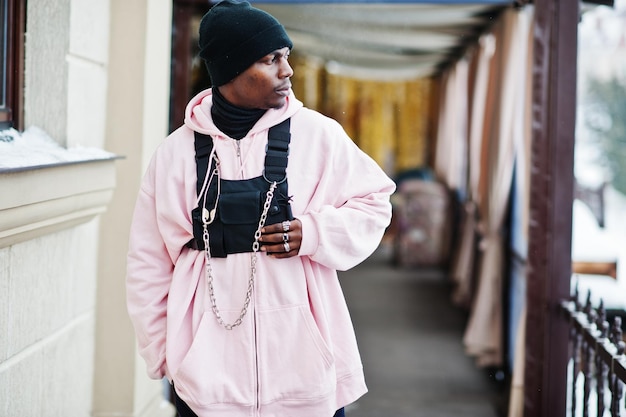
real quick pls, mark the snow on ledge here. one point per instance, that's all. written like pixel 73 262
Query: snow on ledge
pixel 34 148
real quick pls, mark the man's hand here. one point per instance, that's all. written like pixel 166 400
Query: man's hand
pixel 282 240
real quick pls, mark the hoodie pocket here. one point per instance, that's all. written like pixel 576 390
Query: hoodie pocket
pixel 294 360
pixel 218 367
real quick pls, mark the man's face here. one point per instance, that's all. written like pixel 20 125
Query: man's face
pixel 265 85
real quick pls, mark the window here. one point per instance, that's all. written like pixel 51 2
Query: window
pixel 12 26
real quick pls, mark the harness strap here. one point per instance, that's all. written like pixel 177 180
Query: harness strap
pixel 203 145
pixel 276 154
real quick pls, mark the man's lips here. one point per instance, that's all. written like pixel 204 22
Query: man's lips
pixel 284 90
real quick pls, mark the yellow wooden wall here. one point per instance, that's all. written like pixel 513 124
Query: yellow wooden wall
pixel 389 120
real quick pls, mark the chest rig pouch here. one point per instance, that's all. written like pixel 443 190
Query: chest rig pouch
pixel 240 202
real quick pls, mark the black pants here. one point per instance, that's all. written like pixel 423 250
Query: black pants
pixel 183 410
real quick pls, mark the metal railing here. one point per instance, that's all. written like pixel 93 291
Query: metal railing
pixel 597 361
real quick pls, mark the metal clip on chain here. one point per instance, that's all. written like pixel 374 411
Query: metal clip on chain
pixel 253 258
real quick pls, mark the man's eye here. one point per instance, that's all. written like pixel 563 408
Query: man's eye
pixel 275 58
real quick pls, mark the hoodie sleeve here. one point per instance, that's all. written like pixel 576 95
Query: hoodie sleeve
pixel 149 273
pixel 350 209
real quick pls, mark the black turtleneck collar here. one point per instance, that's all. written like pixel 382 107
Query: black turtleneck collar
pixel 235 121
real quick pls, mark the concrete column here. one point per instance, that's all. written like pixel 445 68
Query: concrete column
pixel 137 114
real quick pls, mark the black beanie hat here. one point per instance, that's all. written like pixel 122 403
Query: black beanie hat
pixel 234 35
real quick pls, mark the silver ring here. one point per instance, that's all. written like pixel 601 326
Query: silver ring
pixel 286 225
pixel 285 237
pixel 286 245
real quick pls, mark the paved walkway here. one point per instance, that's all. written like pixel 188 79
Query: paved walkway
pixel 410 338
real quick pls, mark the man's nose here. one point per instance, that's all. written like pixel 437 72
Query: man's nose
pixel 286 70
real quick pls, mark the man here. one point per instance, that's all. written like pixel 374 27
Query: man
pixel 232 284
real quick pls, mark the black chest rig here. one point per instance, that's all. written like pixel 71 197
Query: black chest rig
pixel 240 202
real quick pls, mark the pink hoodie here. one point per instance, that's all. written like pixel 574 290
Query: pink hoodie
pixel 295 353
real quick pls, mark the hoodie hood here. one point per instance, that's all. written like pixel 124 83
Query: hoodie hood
pixel 198 114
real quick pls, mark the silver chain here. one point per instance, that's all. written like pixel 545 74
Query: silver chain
pixel 253 259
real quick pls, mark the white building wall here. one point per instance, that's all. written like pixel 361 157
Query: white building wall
pixel 48 321
pixel 66 344
pixel 87 63
pixel 46 71
pixel 48 297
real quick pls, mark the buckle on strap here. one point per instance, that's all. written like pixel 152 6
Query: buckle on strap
pixel 272 176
